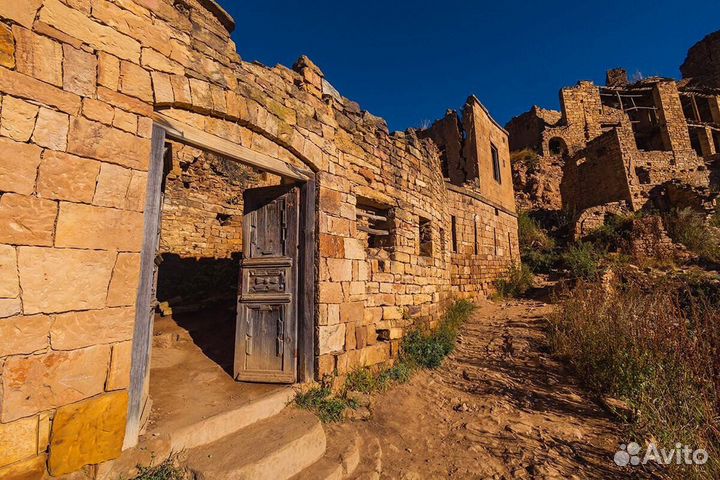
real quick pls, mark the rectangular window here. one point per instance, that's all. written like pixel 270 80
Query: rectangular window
pixel 442 241
pixel 475 231
pixel 453 233
pixel 376 223
pixel 496 163
pixel 425 237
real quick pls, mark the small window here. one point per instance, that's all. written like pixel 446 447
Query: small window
pixel 475 231
pixel 442 240
pixel 453 233
pixel 496 163
pixel 375 221
pixel 425 237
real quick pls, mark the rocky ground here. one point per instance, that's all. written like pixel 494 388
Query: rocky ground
pixel 500 407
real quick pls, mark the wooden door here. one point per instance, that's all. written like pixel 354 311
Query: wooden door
pixel 266 333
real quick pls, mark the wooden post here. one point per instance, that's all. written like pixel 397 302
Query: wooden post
pixel 144 310
pixel 306 283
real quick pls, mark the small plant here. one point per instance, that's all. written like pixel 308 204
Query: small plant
pixel 428 349
pixel 582 260
pixel 167 470
pixel 537 248
pixel 321 400
pixel 688 227
pixel 527 157
pixel 518 281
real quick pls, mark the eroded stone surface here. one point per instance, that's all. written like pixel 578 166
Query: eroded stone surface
pixel 60 280
pixel 87 226
pixel 51 129
pixel 9 283
pixel 18 119
pixel 125 278
pixel 120 363
pixel 41 382
pixel 95 140
pixel 18 440
pixel 38 56
pixel 74 330
pixel 88 432
pixel 66 177
pixel 7 47
pixel 24 334
pixel 26 220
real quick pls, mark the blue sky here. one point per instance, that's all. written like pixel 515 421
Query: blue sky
pixel 410 61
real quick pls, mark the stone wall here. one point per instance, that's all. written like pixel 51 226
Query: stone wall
pixel 79 82
pixel 702 64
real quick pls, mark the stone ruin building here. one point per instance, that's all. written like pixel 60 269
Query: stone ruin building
pixel 625 146
pixel 145 165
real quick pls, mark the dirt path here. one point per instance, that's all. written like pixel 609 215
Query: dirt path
pixel 498 408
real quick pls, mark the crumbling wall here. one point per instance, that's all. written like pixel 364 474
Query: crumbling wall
pixel 79 85
pixel 702 64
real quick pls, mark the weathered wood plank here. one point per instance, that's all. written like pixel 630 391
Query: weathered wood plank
pixel 197 138
pixel 142 338
pixel 306 282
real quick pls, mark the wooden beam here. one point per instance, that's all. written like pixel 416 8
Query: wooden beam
pixel 206 141
pixel 306 286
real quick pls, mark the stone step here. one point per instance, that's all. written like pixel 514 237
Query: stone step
pixel 370 466
pixel 217 426
pixel 341 458
pixel 275 448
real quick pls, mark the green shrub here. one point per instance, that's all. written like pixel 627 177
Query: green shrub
pixel 428 349
pixel 537 248
pixel 518 281
pixel 527 157
pixel 321 400
pixel 688 227
pixel 167 470
pixel 658 350
pixel 582 260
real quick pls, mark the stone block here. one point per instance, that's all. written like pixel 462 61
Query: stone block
pixel 79 25
pixel 181 90
pixel 9 283
pixel 331 292
pixel 95 140
pixel 135 198
pixel 87 433
pixel 155 60
pixel 354 249
pixel 66 177
pixel 120 363
pixel 162 88
pixel 79 71
pixel 331 246
pixel 38 56
pixel 200 93
pixel 135 81
pixel 31 469
pixel 18 119
pixel 51 129
pixel 352 312
pixel 60 280
pixel 339 269
pixel 20 85
pixel 331 338
pixel 18 440
pixel 125 121
pixel 20 12
pixel 7 47
pixel 41 382
pixel 23 335
pixel 87 226
pixel 98 111
pixel 18 166
pixel 75 330
pixel 108 71
pixel 10 307
pixel 112 186
pixel 26 220
pixel 125 279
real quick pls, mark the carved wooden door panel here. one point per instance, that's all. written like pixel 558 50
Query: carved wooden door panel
pixel 266 333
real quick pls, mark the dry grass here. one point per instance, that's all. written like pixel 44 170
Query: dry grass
pixel 658 349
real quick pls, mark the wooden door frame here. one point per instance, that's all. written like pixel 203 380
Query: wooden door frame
pixel 307 271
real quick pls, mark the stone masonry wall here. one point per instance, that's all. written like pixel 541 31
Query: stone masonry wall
pixel 79 81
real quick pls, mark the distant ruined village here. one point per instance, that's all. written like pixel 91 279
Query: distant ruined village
pixel 188 238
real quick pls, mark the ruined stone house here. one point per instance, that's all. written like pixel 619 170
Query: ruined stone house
pixel 144 162
pixel 623 142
